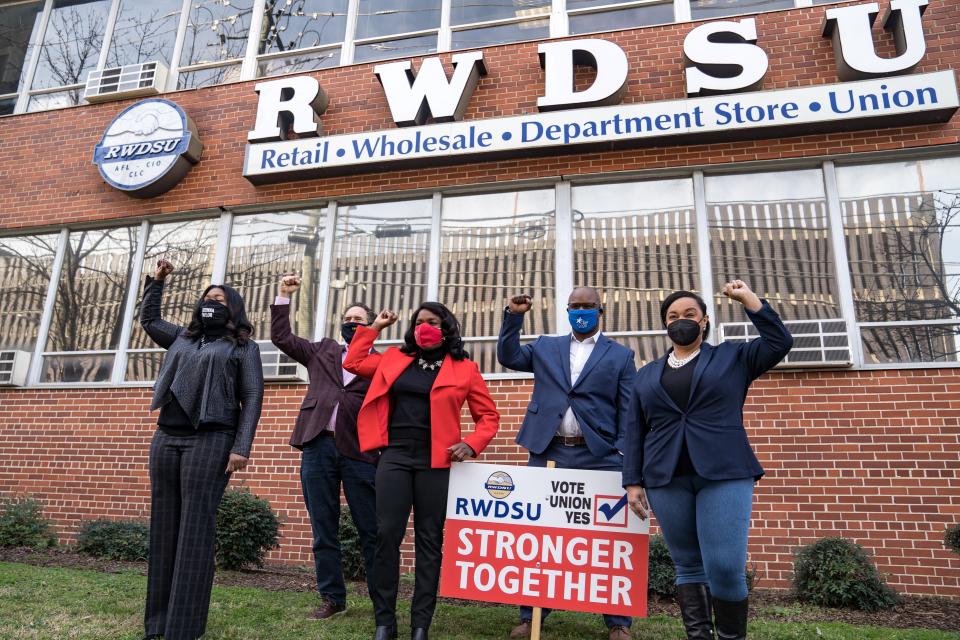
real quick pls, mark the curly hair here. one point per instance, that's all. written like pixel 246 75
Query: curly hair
pixel 449 326
pixel 238 326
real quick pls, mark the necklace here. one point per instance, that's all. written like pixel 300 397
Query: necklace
pixel 428 365
pixel 204 340
pixel 676 363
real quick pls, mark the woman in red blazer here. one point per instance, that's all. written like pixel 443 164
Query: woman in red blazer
pixel 412 413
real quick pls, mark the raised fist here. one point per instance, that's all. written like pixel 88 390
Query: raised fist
pixel 384 320
pixel 739 291
pixel 289 284
pixel 520 304
pixel 164 268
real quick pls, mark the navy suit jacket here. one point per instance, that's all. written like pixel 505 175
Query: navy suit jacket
pixel 713 422
pixel 600 399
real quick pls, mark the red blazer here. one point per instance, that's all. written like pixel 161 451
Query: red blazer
pixel 457 381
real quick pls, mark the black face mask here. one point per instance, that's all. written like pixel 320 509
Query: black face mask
pixel 213 316
pixel 684 332
pixel 348 329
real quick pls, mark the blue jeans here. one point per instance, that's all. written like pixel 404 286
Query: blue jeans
pixel 322 469
pixel 705 525
pixel 576 458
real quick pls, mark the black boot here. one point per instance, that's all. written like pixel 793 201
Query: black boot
pixel 731 618
pixel 418 633
pixel 385 633
pixel 696 611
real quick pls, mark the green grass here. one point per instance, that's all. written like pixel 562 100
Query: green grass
pixel 41 603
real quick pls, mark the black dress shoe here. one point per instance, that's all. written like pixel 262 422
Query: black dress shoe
pixel 385 633
pixel 418 633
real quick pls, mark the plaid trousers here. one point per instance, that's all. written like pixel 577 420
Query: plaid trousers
pixel 187 481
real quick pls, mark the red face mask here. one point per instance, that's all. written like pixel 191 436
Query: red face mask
pixel 427 336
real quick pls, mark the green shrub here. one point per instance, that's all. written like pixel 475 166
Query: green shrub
pixel 351 551
pixel 114 539
pixel 835 572
pixel 661 573
pixel 951 538
pixel 246 529
pixel 22 524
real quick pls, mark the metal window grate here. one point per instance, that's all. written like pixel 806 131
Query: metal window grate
pixel 815 342
pixel 132 80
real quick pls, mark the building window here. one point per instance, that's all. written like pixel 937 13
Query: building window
pixel 18 23
pixel 380 258
pixel 190 247
pixel 69 50
pixel 479 24
pixel 26 265
pixel 215 42
pixel 379 22
pixel 637 243
pixel 613 16
pixel 703 9
pixel 263 247
pixel 494 246
pixel 145 31
pixel 902 227
pixel 88 309
pixel 313 29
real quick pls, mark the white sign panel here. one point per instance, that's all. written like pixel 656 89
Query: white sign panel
pixel 913 99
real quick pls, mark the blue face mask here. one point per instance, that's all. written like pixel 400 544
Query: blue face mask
pixel 583 320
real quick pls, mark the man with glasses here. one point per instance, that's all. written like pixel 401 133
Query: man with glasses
pixel 577 416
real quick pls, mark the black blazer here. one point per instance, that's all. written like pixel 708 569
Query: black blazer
pixel 326 389
pixel 713 422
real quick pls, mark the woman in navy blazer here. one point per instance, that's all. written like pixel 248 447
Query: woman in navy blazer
pixel 687 453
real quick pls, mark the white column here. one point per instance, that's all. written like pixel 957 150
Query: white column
pixel 703 252
pixel 133 290
pixel 326 268
pixel 36 362
pixel 564 252
pixel 433 260
pixel 221 254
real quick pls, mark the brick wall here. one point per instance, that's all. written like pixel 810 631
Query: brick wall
pixel 871 456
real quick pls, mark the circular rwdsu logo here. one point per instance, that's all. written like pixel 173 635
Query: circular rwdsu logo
pixel 148 148
pixel 499 485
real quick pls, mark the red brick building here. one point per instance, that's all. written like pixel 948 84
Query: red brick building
pixel 845 223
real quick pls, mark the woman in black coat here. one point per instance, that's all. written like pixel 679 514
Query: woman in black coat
pixel 209 392
pixel 687 452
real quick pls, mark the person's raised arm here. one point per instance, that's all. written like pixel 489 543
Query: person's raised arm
pixel 360 361
pixel 281 334
pixel 510 353
pixel 160 331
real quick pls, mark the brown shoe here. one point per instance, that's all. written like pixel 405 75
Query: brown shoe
pixel 328 609
pixel 521 631
pixel 619 633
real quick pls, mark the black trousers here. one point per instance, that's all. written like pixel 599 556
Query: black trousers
pixel 405 480
pixel 187 481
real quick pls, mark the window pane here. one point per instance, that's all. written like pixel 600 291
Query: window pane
pixel 71 44
pixel 488 36
pixel 635 255
pixel 915 343
pixel 902 225
pixel 468 11
pixel 494 246
pixel 297 63
pixel 7 105
pixel 17 24
pixel 91 292
pixel 622 19
pixel 380 259
pixel 145 31
pixel 288 26
pixel 57 100
pixel 701 9
pixel 385 17
pixel 94 367
pixel 189 246
pixel 771 230
pixel 262 248
pixel 208 77
pixel 25 268
pixel 395 49
pixel 216 30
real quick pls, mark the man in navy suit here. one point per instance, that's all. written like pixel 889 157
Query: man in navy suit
pixel 577 416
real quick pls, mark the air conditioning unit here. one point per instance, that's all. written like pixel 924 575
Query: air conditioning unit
pixel 278 366
pixel 13 368
pixel 128 81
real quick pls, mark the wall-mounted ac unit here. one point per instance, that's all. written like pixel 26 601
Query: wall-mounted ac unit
pixel 128 81
pixel 13 368
pixel 816 343
pixel 279 367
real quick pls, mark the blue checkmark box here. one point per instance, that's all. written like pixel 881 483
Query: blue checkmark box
pixel 610 511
